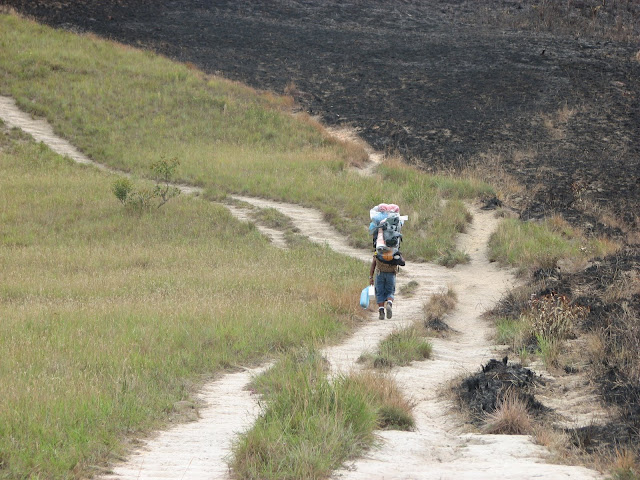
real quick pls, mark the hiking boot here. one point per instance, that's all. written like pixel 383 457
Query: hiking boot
pixel 389 309
pixel 381 313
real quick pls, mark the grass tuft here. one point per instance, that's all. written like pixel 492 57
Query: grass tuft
pixel 401 347
pixel 510 417
pixel 439 305
pixel 409 289
pixel 394 418
pixel 272 218
pixel 625 465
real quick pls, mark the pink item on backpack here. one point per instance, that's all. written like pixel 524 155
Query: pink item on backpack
pixel 380 243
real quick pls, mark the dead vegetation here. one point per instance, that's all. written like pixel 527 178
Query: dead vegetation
pixel 615 20
pixel 500 398
pixel 510 417
pixel 556 124
pixel 435 312
pixel 585 327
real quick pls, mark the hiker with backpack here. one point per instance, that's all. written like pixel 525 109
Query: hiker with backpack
pixel 385 285
pixel 385 227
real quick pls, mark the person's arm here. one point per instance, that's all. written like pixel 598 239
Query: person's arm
pixel 372 270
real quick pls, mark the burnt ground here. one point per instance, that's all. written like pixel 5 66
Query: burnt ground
pixel 609 289
pixel 437 81
pixel 548 92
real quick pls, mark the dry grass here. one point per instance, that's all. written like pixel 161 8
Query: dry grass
pixel 610 19
pixel 625 465
pixel 396 412
pixel 624 286
pixel 623 352
pixel 409 289
pixel 554 316
pixel 556 124
pixel 440 304
pixel 606 216
pixel 488 167
pixel 435 310
pixel 621 464
pixel 510 417
pixel 553 439
pixel 349 139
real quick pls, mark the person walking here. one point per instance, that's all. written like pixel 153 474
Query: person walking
pixel 385 285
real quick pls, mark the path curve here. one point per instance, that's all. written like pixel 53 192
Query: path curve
pixel 439 448
pixel 436 449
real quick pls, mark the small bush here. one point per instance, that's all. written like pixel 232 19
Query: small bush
pixel 139 201
pixel 163 171
pixel 121 189
pixel 142 199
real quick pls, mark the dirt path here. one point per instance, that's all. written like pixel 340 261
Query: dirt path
pixel 439 448
pixel 436 449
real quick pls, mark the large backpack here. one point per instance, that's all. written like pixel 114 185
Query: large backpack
pixel 386 225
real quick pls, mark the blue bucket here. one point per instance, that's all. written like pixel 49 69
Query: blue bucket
pixel 364 298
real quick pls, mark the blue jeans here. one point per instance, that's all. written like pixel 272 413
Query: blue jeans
pixel 385 286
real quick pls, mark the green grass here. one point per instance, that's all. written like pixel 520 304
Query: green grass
pixel 401 347
pixel 549 349
pixel 109 318
pixel 311 424
pixel 511 332
pixel 528 245
pixel 127 109
pixel 272 218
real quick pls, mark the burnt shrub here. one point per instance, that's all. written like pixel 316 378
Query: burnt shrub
pixel 483 392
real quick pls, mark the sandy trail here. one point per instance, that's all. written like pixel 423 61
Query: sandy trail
pixel 439 448
pixel 436 449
